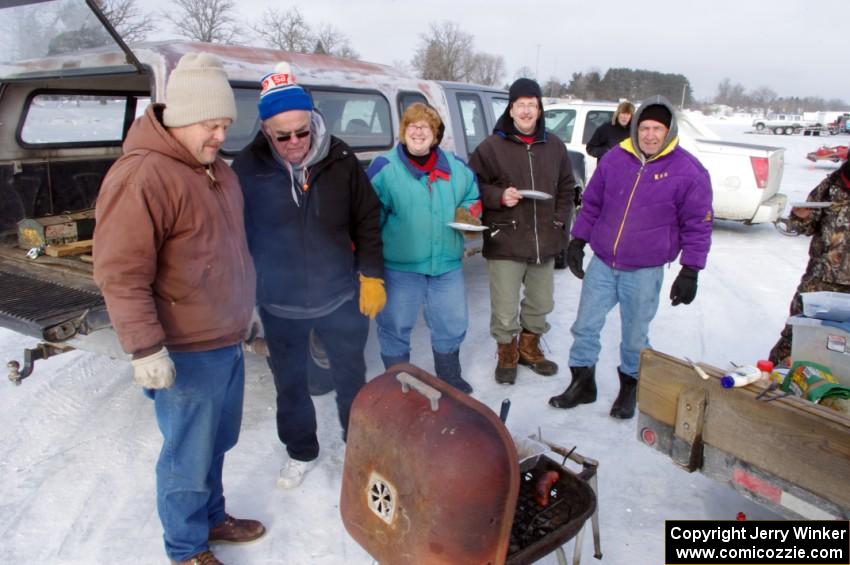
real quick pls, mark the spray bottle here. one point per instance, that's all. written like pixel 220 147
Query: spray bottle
pixel 747 374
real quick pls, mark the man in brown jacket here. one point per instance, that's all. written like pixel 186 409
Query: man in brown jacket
pixel 172 262
pixel 527 187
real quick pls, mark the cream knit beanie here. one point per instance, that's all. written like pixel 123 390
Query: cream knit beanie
pixel 197 91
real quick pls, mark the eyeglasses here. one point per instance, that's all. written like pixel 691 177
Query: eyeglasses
pixel 523 107
pixel 300 134
pixel 414 127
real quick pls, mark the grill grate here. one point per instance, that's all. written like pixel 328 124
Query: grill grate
pixel 41 302
pixel 538 530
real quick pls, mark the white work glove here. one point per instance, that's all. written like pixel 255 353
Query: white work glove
pixel 255 327
pixel 154 371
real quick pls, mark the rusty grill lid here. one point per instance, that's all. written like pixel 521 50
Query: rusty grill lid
pixel 431 474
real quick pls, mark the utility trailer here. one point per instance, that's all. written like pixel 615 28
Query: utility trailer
pixel 785 453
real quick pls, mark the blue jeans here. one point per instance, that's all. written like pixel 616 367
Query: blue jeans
pixel 637 293
pixel 343 333
pixel 199 417
pixel 444 299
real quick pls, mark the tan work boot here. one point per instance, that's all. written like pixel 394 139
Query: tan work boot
pixel 234 530
pixel 506 366
pixel 531 356
pixel 203 558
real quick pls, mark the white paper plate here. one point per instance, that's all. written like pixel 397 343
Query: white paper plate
pixel 811 204
pixel 466 227
pixel 535 194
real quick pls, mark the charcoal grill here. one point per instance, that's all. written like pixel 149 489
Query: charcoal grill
pixel 432 477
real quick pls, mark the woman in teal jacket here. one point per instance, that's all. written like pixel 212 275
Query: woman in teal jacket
pixel 422 190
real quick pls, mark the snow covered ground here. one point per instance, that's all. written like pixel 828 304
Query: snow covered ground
pixel 79 441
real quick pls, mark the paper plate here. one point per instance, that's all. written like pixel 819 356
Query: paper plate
pixel 811 204
pixel 535 194
pixel 466 227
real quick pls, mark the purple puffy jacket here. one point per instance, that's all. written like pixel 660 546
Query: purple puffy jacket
pixel 642 215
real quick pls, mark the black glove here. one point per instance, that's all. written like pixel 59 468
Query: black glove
pixel 575 257
pixel 684 288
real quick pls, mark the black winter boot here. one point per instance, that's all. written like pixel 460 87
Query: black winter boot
pixel 624 404
pixel 582 389
pixel 447 367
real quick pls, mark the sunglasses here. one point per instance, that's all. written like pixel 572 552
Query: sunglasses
pixel 284 137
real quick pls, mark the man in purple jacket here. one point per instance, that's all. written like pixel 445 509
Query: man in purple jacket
pixel 648 200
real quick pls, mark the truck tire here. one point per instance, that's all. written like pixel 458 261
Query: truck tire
pixel 759 127
pixel 778 131
pixel 789 131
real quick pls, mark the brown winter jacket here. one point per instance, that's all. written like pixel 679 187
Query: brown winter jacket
pixel 533 230
pixel 170 254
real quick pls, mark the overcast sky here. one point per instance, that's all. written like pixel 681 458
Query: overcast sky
pixel 796 48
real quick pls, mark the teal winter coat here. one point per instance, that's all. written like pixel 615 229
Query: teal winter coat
pixel 416 208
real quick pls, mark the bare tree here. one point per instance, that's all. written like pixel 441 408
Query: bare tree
pixel 285 30
pixel 524 72
pixel 213 21
pixel 554 88
pixel 444 52
pixel 334 42
pixel 763 96
pixel 125 17
pixel 486 69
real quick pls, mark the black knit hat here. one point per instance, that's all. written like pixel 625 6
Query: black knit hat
pixel 656 112
pixel 524 87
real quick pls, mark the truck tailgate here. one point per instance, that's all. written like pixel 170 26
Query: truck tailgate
pixel 775 159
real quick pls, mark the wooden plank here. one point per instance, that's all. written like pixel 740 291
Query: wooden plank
pixel 86 258
pixel 800 442
pixel 75 248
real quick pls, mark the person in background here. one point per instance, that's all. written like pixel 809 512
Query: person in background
pixel 829 252
pixel 648 200
pixel 525 234
pixel 422 189
pixel 313 224
pixel 609 135
pixel 173 265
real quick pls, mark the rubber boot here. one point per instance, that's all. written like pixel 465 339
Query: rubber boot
pixel 624 404
pixel 390 360
pixel 582 389
pixel 531 356
pixel 447 367
pixel 508 359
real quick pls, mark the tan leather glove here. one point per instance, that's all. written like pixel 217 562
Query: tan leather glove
pixel 154 371
pixel 373 297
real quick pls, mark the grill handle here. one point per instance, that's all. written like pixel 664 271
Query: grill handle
pixel 408 381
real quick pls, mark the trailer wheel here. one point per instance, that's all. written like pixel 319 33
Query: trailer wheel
pixel 777 131
pixel 789 130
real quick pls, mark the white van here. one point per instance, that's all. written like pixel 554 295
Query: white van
pixel 745 178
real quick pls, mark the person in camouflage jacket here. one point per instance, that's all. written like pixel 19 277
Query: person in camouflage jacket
pixel 829 252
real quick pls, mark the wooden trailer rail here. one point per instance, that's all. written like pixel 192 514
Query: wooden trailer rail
pixel 787 453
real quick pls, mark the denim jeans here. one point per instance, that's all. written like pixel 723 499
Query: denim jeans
pixel 343 333
pixel 199 417
pixel 444 299
pixel 637 293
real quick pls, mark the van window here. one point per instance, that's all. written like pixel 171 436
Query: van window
pixel 595 118
pixel 499 105
pixel 472 115
pixel 405 99
pixel 247 123
pixel 361 119
pixel 561 122
pixel 80 119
